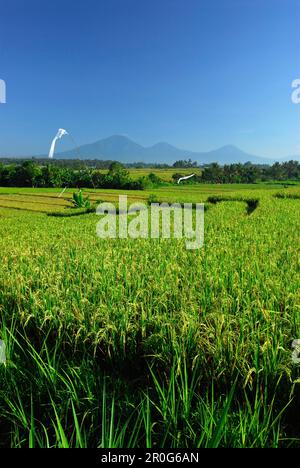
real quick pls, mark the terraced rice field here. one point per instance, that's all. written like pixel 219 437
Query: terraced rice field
pixel 142 343
pixel 49 200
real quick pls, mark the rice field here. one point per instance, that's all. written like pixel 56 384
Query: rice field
pixel 164 174
pixel 52 199
pixel 142 343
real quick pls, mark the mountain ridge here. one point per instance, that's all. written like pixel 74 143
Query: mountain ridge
pixel 123 149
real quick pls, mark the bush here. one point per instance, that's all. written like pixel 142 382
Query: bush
pixel 80 201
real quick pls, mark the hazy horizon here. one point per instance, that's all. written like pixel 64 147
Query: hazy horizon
pixel 63 148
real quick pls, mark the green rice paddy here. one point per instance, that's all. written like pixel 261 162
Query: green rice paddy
pixel 142 343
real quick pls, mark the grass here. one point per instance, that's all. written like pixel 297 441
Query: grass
pixel 252 203
pixel 291 195
pixel 142 343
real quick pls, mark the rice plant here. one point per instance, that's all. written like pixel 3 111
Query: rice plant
pixel 142 343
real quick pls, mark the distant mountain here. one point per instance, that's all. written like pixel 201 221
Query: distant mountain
pixel 114 147
pixel 121 148
pixel 163 151
pixel 230 154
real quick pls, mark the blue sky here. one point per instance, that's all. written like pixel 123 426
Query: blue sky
pixel 196 73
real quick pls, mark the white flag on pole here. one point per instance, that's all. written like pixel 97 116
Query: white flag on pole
pixel 185 178
pixel 61 132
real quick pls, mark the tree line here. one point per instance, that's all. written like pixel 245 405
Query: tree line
pixel 31 174
pixel 245 173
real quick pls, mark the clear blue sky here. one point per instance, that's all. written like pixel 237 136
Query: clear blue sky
pixel 196 73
